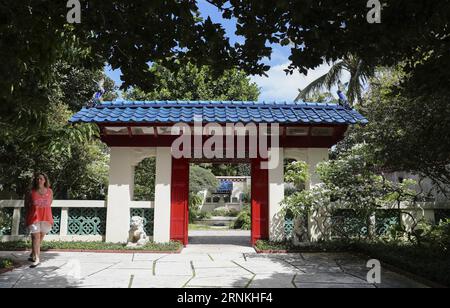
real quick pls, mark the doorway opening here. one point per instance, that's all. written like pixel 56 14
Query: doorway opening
pixel 258 205
pixel 220 203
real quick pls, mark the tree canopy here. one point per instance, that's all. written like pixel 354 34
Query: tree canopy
pixel 130 35
pixel 38 48
pixel 404 133
pixel 75 162
pixel 201 179
pixel 197 83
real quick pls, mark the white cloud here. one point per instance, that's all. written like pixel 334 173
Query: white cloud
pixel 281 87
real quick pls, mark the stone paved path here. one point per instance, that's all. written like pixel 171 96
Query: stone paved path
pixel 201 264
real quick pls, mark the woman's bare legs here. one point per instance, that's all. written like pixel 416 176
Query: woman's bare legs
pixel 37 239
pixel 41 239
pixel 35 245
pixel 40 242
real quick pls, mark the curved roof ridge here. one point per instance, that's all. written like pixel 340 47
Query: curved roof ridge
pixel 185 103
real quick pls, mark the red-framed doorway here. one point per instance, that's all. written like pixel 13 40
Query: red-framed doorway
pixel 259 201
pixel 179 198
pixel 179 212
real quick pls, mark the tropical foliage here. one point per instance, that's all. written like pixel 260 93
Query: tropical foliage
pixel 351 183
pixel 75 163
pixel 244 219
pixel 144 180
pixel 404 132
pixel 360 73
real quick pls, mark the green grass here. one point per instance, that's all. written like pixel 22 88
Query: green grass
pixel 307 247
pixel 21 245
pixel 267 245
pixel 199 227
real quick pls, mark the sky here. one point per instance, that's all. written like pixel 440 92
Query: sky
pixel 277 86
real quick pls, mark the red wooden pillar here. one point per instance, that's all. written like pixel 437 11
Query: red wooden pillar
pixel 260 201
pixel 179 215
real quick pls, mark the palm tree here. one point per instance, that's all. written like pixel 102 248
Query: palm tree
pixel 360 72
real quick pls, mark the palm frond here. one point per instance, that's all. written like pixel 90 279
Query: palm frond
pixel 314 86
pixel 325 81
pixel 334 74
pixel 360 73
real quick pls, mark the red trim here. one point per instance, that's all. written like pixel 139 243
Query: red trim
pixel 144 124
pixel 179 218
pixel 260 202
pixel 166 141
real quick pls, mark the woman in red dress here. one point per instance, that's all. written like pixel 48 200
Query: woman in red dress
pixel 39 218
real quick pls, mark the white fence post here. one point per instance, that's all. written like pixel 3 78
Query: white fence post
pixel 15 221
pixel 64 224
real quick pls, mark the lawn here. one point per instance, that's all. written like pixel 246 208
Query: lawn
pixel 200 227
pixel 100 246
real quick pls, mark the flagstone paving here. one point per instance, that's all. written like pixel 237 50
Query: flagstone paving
pixel 198 266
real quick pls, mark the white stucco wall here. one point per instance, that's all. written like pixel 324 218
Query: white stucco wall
pixel 120 190
pixel 161 231
pixel 276 196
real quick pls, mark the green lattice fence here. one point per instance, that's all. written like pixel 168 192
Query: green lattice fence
pixel 148 215
pixel 288 228
pixel 57 221
pixel 56 212
pixel 6 215
pixel 87 221
pixel 385 220
pixel 347 223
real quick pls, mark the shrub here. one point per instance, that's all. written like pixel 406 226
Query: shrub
pixel 233 213
pixel 194 206
pixel 246 195
pixel 244 220
pixel 223 211
pixel 6 263
pixel 5 222
pixel 435 237
pixel 203 215
pixel 220 211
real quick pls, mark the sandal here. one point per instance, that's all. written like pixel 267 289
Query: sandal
pixel 35 263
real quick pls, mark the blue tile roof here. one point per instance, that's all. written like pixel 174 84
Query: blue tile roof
pixel 225 187
pixel 217 111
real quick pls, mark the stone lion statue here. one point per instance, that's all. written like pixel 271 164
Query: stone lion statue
pixel 137 235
